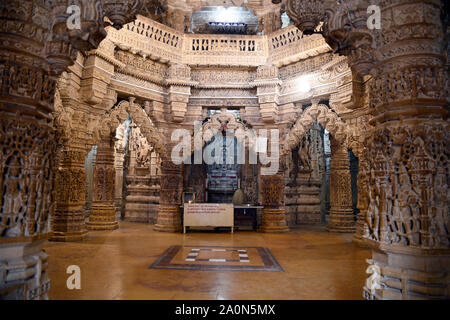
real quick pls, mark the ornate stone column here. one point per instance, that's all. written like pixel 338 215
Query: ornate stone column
pixel 171 188
pixel 72 123
pixel 407 150
pixel 274 213
pixel 69 220
pixel 407 156
pixel 27 146
pixel 102 216
pixel 341 212
pixel 35 48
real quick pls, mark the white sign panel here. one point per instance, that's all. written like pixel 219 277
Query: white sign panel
pixel 208 215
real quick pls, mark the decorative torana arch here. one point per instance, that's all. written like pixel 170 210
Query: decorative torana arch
pixel 221 122
pixel 119 114
pixel 322 114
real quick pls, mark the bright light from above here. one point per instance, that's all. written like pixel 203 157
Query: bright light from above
pixel 227 14
pixel 303 85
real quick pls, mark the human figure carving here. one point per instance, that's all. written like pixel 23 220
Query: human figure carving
pixel 304 154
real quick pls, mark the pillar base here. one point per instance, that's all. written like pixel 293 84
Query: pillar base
pixel 23 267
pixel 341 221
pixel 411 274
pixel 274 221
pixel 69 225
pixel 169 219
pixel 358 236
pixel 68 236
pixel 102 217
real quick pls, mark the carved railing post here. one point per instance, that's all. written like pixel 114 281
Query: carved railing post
pixel 102 216
pixel 169 218
pixel 341 212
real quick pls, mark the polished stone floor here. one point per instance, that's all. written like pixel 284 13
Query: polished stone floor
pixel 115 265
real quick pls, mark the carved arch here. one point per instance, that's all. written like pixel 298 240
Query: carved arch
pixel 223 121
pixel 322 114
pixel 119 114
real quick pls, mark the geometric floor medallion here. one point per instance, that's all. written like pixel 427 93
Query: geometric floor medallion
pixel 218 259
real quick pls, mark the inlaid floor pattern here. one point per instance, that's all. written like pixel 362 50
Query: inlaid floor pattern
pixel 217 258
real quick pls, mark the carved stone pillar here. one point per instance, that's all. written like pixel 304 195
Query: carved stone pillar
pixel 274 213
pixel 27 148
pixel 102 216
pixel 341 212
pixel 69 220
pixel 35 48
pixel 27 163
pixel 407 156
pixel 407 150
pixel 171 188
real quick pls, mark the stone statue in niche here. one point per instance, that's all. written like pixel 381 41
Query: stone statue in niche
pixel 304 155
pixel 143 153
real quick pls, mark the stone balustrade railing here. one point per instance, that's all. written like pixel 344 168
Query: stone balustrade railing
pixel 159 42
pixel 224 50
pixel 149 39
pixel 287 45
